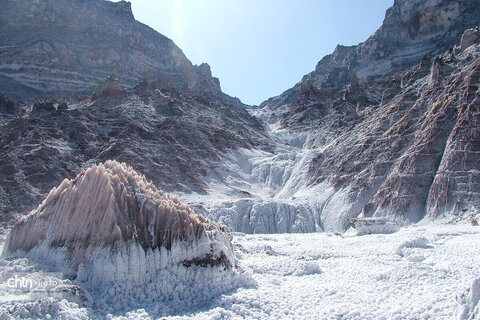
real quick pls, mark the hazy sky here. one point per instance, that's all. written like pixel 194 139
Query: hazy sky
pixel 259 48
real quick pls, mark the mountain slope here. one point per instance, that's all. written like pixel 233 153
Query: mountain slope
pixel 97 38
pixel 412 155
pixel 391 123
pixel 173 127
pixel 416 153
pixel 174 136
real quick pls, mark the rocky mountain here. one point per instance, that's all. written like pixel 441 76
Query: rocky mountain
pixel 404 147
pixel 69 47
pixel 173 127
pixel 392 122
pixel 385 128
pixel 415 153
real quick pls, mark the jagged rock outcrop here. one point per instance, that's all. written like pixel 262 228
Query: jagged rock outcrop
pixel 119 237
pixel 97 38
pixel 7 106
pixel 43 106
pixel 470 37
pixel 411 29
pixel 109 88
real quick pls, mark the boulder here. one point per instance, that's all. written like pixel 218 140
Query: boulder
pixel 43 106
pixel 110 88
pixel 469 38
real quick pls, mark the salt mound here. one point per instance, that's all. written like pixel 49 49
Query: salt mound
pixel 126 241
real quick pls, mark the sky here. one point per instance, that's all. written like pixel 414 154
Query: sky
pixel 260 48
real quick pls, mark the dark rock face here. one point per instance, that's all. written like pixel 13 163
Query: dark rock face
pixel 109 88
pixel 97 38
pixel 469 38
pixel 43 106
pixel 62 106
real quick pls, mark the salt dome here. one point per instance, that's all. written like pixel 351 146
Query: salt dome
pixel 125 241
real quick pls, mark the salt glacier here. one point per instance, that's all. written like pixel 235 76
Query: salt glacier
pixel 126 242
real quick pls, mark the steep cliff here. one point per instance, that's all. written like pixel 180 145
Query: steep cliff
pixel 69 47
pixel 414 154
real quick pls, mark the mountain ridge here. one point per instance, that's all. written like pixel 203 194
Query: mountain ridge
pixel 433 26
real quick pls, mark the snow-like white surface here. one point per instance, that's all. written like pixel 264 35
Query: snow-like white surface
pixel 419 272
pixel 261 192
pixel 258 191
pixel 131 277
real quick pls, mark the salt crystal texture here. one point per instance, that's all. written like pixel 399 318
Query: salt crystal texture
pixel 113 231
pixel 471 302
